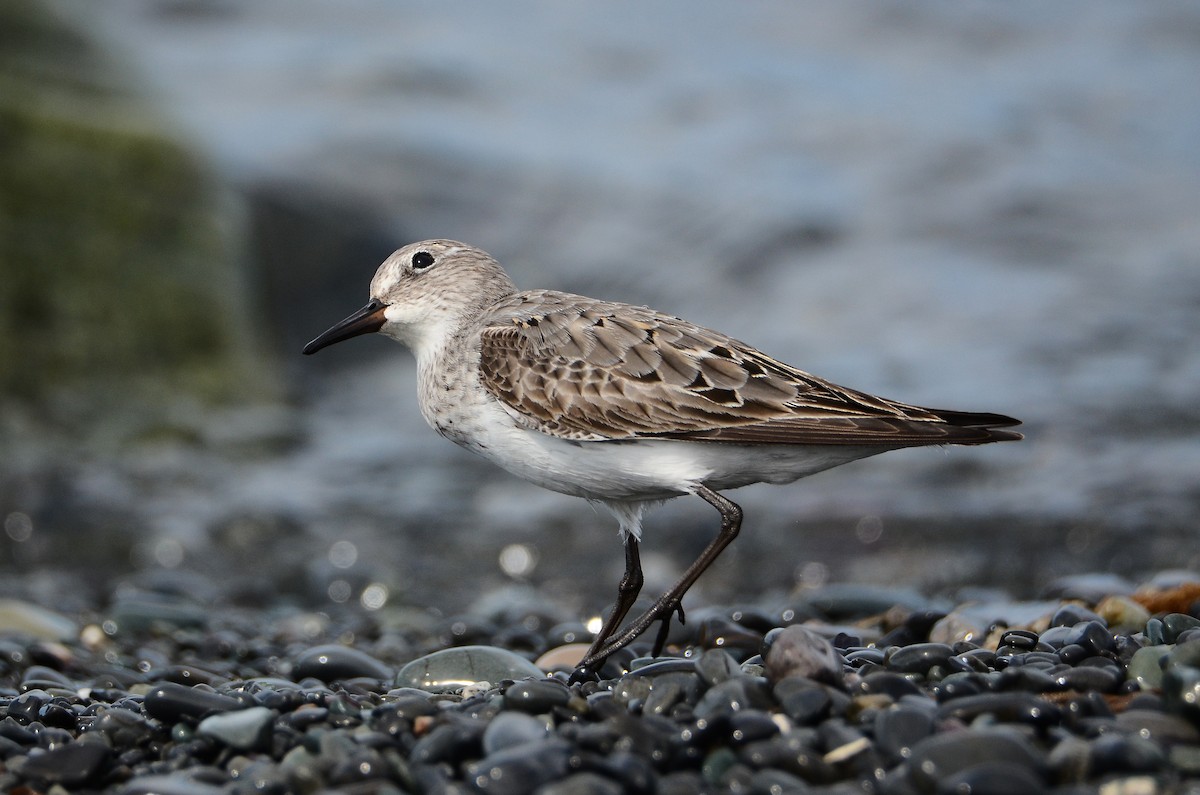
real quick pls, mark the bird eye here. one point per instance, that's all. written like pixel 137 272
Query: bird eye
pixel 422 260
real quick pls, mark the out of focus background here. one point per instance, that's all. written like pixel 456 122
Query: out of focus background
pixel 958 204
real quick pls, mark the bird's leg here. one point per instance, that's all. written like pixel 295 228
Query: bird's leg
pixel 670 602
pixel 665 626
pixel 627 593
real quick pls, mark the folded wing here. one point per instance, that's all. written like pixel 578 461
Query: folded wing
pixel 589 370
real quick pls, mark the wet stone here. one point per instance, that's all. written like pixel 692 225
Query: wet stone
pixel 993 778
pixel 25 708
pixel 1013 707
pixel 1071 614
pixel 1158 726
pixel 171 702
pixel 183 783
pixel 668 690
pixel 898 729
pixel 1085 678
pixel 1156 633
pixel 1175 624
pixel 1021 639
pixel 715 666
pixel 722 633
pixel 25 618
pixel 1146 667
pixel 536 696
pixel 333 662
pixel 70 765
pixel 245 730
pixel 451 743
pixel 889 684
pixel 751 725
pixel 521 769
pixel 803 700
pixel 1093 636
pixel 1056 636
pixel 457 667
pixel 942 756
pixel 1112 753
pixel 651 667
pixel 1122 614
pixel 733 695
pixel 510 729
pixel 1184 654
pixel 586 783
pixel 798 651
pixel 1181 691
pixel 631 690
pixel 919 657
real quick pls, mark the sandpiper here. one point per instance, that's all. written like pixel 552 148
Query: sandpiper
pixel 623 405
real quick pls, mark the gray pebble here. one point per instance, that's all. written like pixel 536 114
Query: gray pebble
pixel 798 651
pixel 246 730
pixel 457 667
pixel 509 729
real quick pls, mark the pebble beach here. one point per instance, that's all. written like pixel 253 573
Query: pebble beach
pixel 1092 688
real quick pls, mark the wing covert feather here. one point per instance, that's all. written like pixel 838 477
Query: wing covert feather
pixel 587 370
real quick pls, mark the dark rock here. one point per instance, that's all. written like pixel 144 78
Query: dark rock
pixel 171 702
pixel 71 765
pixel 521 769
pixel 798 651
pixel 332 662
pixel 536 696
pixel 898 729
pixel 942 756
pixel 919 657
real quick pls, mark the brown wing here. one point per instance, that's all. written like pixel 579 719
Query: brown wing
pixel 582 369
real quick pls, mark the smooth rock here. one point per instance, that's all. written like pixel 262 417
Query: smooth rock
pixel 24 618
pixel 583 784
pixel 993 778
pixel 1158 727
pixel 521 769
pixel 562 658
pixel 1010 707
pixel 1122 614
pixel 1175 624
pixel 536 696
pixel 803 700
pixel 799 651
pixel 918 658
pixel 170 702
pixel 509 729
pixel 333 662
pixel 245 730
pixel 944 755
pixel 173 784
pixel 715 666
pixel 733 695
pixel 457 667
pixel 897 730
pixel 70 765
pixel 1146 667
pixel 1114 753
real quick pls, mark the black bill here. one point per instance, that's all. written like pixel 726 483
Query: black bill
pixel 366 320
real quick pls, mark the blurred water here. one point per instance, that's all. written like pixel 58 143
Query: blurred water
pixel 969 205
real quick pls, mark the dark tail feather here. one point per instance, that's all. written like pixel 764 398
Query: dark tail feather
pixel 982 420
pixel 974 419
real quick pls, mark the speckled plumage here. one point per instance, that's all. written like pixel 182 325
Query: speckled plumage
pixel 619 403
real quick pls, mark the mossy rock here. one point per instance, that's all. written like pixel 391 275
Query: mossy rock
pixel 120 256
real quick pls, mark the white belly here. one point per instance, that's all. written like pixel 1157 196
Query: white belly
pixel 651 469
